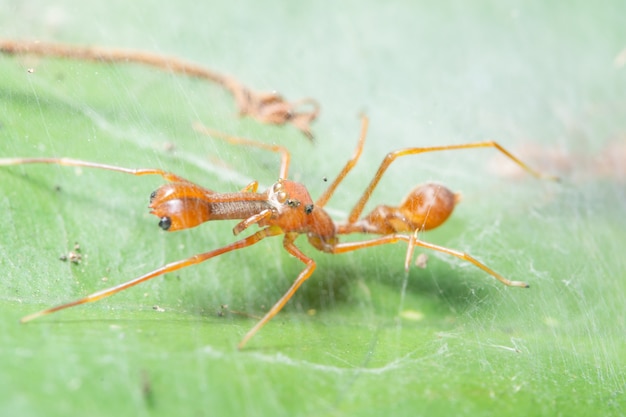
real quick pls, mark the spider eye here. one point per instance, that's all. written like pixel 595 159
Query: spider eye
pixel 278 186
pixel 308 209
pixel 281 197
pixel 165 223
pixel 292 203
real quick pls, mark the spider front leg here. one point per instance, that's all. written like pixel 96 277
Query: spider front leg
pixel 168 176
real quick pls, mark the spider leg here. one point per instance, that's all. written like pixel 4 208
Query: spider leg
pixel 303 276
pixel 392 156
pixel 413 240
pixel 174 266
pixel 285 156
pixel 168 176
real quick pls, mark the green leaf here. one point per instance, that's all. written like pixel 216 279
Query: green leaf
pixel 361 337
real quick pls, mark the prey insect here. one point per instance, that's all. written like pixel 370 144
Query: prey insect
pixel 287 209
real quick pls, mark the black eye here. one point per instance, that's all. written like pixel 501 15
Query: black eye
pixel 165 223
pixel 153 195
pixel 292 203
pixel 308 209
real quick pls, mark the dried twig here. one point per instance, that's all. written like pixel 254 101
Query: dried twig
pixel 269 108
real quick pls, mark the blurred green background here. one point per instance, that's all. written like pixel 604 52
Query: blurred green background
pixel 361 338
